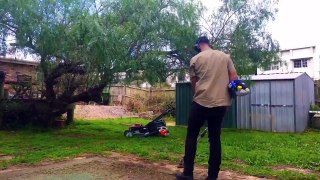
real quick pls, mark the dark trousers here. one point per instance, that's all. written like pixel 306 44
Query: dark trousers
pixel 198 116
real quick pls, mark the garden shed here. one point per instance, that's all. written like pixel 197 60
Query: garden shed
pixel 277 103
pixel 184 96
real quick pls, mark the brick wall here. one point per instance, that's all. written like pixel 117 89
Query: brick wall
pixel 12 68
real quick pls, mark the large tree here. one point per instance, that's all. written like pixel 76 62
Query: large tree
pixel 84 44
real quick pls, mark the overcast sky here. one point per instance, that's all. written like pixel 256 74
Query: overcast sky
pixel 297 22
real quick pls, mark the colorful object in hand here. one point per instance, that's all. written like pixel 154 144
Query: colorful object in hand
pixel 238 88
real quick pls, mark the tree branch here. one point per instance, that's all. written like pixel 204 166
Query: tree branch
pixel 226 21
pixel 92 94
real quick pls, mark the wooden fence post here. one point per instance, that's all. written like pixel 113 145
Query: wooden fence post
pixel 149 98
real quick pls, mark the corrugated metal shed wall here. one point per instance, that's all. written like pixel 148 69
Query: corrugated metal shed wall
pixel 230 120
pixel 260 106
pixel 243 112
pixel 273 105
pixel 304 97
pixel 183 102
pixel 269 107
pixel 277 105
pixel 184 96
pixel 282 106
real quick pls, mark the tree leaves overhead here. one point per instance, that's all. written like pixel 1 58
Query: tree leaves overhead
pixel 238 27
pixel 85 45
pixel 111 36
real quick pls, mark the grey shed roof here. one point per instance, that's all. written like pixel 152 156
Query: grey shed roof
pixel 277 76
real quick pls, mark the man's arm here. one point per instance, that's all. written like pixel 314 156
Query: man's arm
pixel 233 75
pixel 194 81
pixel 193 77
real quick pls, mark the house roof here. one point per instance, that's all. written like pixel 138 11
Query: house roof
pixel 16 61
pixel 277 76
pixel 296 48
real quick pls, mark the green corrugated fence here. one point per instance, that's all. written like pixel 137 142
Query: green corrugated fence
pixel 183 105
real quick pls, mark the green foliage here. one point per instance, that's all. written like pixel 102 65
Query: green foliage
pixel 84 45
pixel 13 114
pixel 19 114
pixel 153 37
pixel 258 152
pixel 238 27
pixel 110 37
pixel 314 108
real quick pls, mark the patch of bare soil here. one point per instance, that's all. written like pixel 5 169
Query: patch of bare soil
pixel 114 167
pixel 294 169
pixel 101 112
pixel 4 157
pixel 240 162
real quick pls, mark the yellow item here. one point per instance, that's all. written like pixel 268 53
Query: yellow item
pixel 239 87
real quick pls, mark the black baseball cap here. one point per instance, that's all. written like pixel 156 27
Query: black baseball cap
pixel 202 39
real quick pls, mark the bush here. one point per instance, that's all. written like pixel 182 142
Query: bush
pixel 137 105
pixel 314 108
pixel 157 104
pixel 163 103
pixel 18 114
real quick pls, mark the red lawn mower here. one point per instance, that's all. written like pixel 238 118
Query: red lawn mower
pixel 156 127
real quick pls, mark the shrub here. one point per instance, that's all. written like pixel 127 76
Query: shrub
pixel 18 114
pixel 157 104
pixel 137 104
pixel 314 108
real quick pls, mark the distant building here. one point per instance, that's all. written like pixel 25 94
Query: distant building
pixel 297 60
pixel 13 68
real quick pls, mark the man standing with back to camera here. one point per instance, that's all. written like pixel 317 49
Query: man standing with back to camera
pixel 210 73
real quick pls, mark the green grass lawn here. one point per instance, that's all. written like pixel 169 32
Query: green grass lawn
pixel 248 152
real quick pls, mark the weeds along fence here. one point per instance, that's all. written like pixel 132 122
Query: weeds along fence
pixel 140 99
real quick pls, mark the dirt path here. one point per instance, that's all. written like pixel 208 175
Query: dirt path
pixel 113 167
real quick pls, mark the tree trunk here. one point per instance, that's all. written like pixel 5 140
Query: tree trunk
pixel 70 114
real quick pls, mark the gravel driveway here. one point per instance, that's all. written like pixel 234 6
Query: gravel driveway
pixel 101 112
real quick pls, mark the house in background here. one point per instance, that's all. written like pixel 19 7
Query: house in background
pixel 297 60
pixel 14 67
